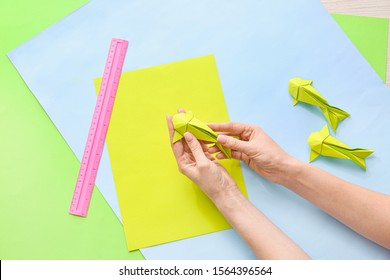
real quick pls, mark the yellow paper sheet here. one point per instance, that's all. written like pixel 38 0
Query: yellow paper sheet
pixel 157 203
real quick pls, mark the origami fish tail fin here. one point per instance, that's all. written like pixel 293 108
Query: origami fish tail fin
pixel 358 155
pixel 313 155
pixel 176 137
pixel 334 115
pixel 362 153
pixel 340 114
pixel 360 162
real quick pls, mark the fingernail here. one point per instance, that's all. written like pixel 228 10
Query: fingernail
pixel 222 139
pixel 188 136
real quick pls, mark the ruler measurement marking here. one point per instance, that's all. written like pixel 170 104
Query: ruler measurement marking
pixel 98 129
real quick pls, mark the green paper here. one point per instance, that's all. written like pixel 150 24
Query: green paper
pixel 302 91
pixel 370 36
pixel 322 143
pixel 184 122
pixel 38 170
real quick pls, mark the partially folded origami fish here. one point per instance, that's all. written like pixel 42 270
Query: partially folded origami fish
pixel 183 122
pixel 322 143
pixel 302 91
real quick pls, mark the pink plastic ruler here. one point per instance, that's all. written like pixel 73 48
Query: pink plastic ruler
pixel 98 130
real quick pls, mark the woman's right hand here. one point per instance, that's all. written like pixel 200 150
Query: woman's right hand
pixel 254 147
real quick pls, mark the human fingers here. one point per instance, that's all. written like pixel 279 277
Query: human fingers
pixel 209 156
pixel 234 144
pixel 234 128
pixel 206 142
pixel 195 147
pixel 213 149
pixel 177 147
pixel 234 154
pixel 171 130
pixel 220 155
pixel 205 145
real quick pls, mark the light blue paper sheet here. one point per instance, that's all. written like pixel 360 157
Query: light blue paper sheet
pixel 258 46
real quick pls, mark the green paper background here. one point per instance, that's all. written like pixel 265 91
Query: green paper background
pixel 37 168
pixel 370 36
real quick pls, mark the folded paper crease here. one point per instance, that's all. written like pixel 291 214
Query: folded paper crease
pixel 302 91
pixel 322 143
pixel 186 122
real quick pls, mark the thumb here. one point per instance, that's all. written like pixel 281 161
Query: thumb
pixel 195 147
pixel 233 143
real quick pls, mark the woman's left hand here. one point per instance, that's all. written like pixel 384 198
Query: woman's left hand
pixel 197 164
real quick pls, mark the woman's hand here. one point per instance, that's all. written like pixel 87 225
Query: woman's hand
pixel 254 147
pixel 196 163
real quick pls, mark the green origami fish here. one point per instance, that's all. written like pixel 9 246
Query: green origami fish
pixel 322 143
pixel 302 91
pixel 183 122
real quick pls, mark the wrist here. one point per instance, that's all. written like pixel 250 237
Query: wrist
pixel 289 170
pixel 230 198
pixel 226 195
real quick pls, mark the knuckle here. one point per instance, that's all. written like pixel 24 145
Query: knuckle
pixel 195 148
pixel 232 142
pixel 236 155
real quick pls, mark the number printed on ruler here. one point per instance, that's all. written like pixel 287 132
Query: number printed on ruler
pixel 98 130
